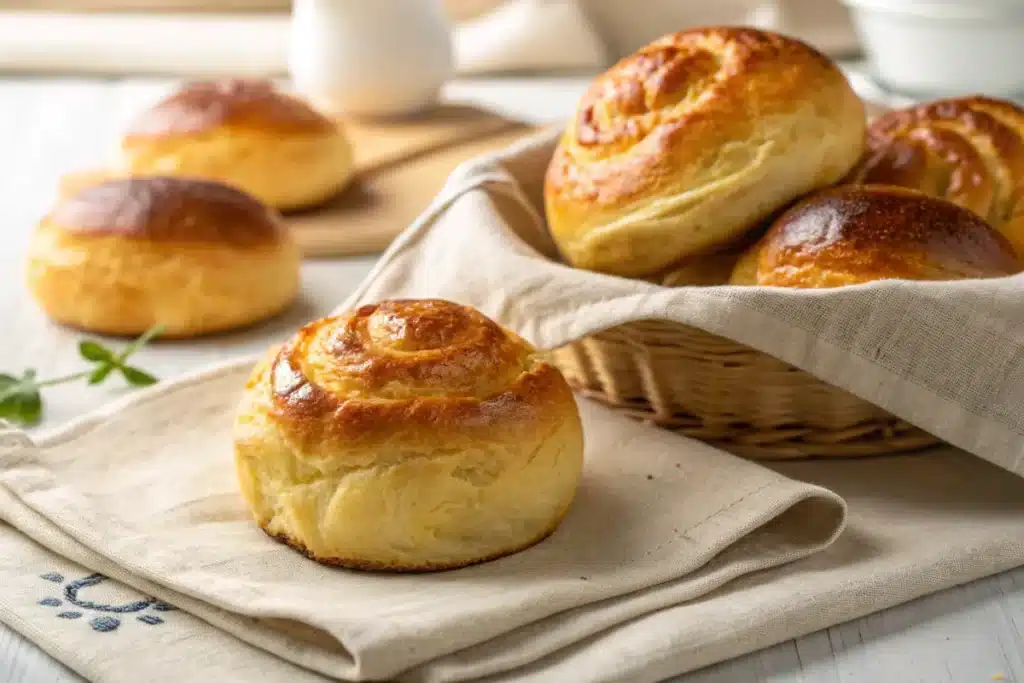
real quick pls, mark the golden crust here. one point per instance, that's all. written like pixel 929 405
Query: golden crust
pixel 202 106
pixel 177 210
pixel 968 150
pixel 198 258
pixel 408 435
pixel 362 564
pixel 855 234
pixel 241 133
pixel 685 145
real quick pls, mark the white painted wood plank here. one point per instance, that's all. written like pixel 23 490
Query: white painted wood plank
pixel 22 662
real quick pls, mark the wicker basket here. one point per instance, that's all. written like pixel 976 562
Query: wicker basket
pixel 730 395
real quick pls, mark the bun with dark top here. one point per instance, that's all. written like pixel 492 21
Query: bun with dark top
pixel 243 133
pixel 195 256
pixel 854 234
pixel 969 150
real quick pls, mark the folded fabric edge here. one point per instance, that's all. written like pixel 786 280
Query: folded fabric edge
pixel 470 175
pixel 79 425
pixel 47 533
pixel 122 568
pixel 523 648
pixel 51 646
pixel 665 664
pixel 68 558
pixel 764 504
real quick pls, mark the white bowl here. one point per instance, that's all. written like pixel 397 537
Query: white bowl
pixel 944 48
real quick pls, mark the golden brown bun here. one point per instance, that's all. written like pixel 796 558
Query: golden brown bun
pixel 692 141
pixel 243 133
pixel 968 150
pixel 853 234
pixel 408 436
pixel 198 257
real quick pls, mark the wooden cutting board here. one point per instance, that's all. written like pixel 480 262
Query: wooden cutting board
pixel 401 167
pixel 404 165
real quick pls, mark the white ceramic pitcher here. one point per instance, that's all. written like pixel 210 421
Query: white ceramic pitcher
pixel 370 58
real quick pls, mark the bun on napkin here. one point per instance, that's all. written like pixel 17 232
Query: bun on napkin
pixel 243 133
pixel 968 150
pixel 854 234
pixel 196 256
pixel 409 435
pixel 692 141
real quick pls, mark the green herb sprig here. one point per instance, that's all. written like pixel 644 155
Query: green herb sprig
pixel 21 399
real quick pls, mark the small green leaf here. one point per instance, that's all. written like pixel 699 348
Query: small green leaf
pixel 101 373
pixel 6 382
pixel 31 407
pixel 137 377
pixel 21 402
pixel 90 350
pixel 20 398
pixel 143 339
pixel 15 386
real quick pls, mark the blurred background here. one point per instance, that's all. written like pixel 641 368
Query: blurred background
pixel 252 35
pixel 907 48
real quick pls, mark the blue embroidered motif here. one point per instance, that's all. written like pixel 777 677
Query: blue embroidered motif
pixel 71 595
pixel 105 624
pixel 102 624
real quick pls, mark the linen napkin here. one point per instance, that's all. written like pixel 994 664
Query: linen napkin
pixel 144 492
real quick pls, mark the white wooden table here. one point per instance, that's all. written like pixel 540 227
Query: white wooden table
pixel 50 126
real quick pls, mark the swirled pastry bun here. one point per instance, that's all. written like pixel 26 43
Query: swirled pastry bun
pixel 196 256
pixel 700 136
pixel 968 150
pixel 410 435
pixel 850 235
pixel 243 133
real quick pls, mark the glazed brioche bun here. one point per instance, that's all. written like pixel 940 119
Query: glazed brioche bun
pixel 969 150
pixel 850 235
pixel 196 256
pixel 242 133
pixel 410 435
pixel 681 148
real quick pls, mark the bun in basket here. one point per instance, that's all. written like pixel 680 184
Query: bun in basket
pixel 692 141
pixel 243 133
pixel 196 256
pixel 854 234
pixel 408 436
pixel 968 150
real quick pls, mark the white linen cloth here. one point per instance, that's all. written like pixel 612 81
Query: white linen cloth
pixel 145 493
